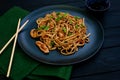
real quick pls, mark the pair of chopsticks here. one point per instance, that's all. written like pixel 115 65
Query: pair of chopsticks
pixel 14 45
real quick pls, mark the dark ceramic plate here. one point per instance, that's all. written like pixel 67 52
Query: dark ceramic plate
pixel 54 57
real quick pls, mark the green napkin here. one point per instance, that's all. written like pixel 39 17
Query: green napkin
pixel 24 67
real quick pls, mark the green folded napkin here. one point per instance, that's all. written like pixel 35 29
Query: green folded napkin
pixel 24 67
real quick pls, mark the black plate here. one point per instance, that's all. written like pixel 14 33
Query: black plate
pixel 54 57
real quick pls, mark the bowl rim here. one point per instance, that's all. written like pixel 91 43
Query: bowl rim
pixel 96 10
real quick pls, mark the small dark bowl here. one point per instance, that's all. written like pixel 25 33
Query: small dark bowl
pixel 97 5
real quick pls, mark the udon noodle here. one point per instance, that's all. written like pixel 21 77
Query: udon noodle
pixel 62 31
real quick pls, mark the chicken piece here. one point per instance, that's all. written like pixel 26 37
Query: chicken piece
pixel 61 34
pixel 33 33
pixel 42 46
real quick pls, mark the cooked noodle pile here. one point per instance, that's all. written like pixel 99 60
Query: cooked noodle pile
pixel 62 31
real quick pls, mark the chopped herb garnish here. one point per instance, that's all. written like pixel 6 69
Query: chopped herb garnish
pixel 76 26
pixel 43 27
pixel 65 14
pixel 82 25
pixel 46 28
pixel 69 33
pixel 70 21
pixel 64 29
pixel 76 17
pixel 59 18
pixel 52 43
pixel 58 13
pixel 40 28
pixel 51 16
